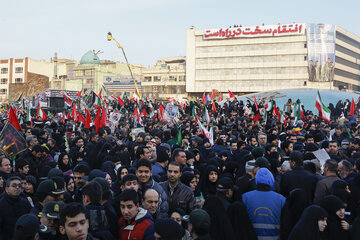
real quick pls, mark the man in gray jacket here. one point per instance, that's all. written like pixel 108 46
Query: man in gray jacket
pixel 323 186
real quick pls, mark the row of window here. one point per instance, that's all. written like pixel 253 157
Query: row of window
pixel 17 70
pixel 5 80
pixel 3 91
pixel 251 71
pixel 252 59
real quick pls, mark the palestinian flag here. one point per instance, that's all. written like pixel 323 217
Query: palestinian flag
pixel 93 99
pixel 68 100
pixel 324 112
pixel 28 116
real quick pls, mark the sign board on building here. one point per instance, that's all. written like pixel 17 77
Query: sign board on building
pixel 255 31
pixel 60 93
pixel 120 80
pixel 321 52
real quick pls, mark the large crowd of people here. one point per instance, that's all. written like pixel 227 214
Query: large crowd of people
pixel 252 178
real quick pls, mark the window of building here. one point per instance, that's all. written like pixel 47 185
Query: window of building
pixel 172 78
pixel 18 80
pixel 157 78
pixel 3 81
pixel 88 72
pixel 4 70
pixel 3 91
pixel 89 81
pixel 147 79
pixel 18 70
pixel 79 73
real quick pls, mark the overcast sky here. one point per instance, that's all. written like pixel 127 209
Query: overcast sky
pixel 148 29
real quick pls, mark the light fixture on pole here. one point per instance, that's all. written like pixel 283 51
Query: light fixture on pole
pixel 109 38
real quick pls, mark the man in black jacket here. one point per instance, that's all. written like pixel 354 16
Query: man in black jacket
pixel 298 177
pixel 178 194
pixel 12 206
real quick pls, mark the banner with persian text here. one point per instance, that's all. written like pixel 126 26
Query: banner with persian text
pixel 255 31
pixel 321 52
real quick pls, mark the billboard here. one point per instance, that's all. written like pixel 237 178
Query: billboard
pixel 321 52
pixel 120 80
pixel 256 31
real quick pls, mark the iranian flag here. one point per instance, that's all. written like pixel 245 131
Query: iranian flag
pixel 206 116
pixel 40 113
pixel 324 112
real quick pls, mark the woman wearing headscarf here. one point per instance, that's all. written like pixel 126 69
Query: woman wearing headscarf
pixel 240 221
pixel 189 179
pixel 311 225
pixel 297 202
pixel 337 226
pixel 64 162
pixel 209 181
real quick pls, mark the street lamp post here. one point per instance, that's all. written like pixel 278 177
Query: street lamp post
pixel 109 38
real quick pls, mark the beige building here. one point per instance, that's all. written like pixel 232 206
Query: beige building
pixel 166 79
pixel 91 73
pixel 27 76
pixel 263 58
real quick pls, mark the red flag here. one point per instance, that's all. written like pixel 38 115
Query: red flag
pixel 121 102
pixel 212 94
pixel 231 95
pixel 74 113
pixel 100 94
pixel 204 98
pixel 88 118
pixel 276 112
pixel 143 113
pixel 103 117
pixel 213 108
pixel 13 119
pixel 161 112
pixel 68 115
pixel 81 118
pixel 79 93
pixel 257 117
pixel 256 105
pixel 41 113
pixel 97 120
pixel 220 97
pixel 352 108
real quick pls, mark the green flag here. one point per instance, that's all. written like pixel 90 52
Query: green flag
pixel 347 130
pixel 179 138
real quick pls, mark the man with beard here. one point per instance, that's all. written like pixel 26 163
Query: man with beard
pixel 178 194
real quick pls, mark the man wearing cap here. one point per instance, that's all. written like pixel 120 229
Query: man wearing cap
pixel 50 217
pixel 199 225
pixel 27 227
pixel 47 191
pixel 224 191
pixel 168 229
pixel 246 182
pixel 298 177
pixel 12 206
pixel 266 208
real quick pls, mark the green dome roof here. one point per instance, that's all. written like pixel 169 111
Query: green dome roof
pixel 90 58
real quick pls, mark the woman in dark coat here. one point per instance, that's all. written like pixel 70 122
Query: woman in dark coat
pixel 297 202
pixel 209 181
pixel 311 224
pixel 337 226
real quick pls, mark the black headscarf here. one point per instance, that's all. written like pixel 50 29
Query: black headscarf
pixel 307 226
pixel 297 202
pixel 240 221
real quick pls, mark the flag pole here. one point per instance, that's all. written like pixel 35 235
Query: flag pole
pixel 110 37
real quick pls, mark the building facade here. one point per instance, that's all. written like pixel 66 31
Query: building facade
pixel 27 77
pixel 274 57
pixel 91 73
pixel 166 79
